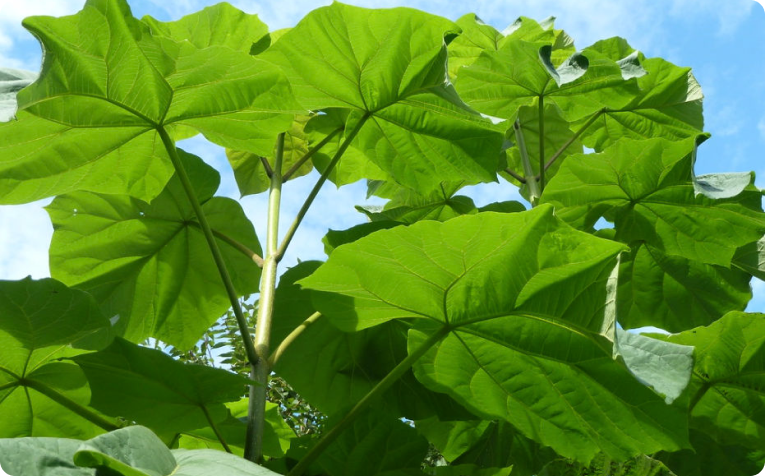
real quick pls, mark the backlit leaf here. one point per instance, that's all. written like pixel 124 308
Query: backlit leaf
pixel 391 73
pixel 41 322
pixel 150 263
pixel 91 121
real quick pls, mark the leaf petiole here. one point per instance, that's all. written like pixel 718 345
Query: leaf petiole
pixel 70 405
pixel 531 180
pixel 221 265
pixel 292 337
pixel 296 166
pixel 316 188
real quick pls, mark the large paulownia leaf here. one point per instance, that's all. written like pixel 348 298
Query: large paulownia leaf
pixel 217 25
pixel 375 444
pixel 638 466
pixel 674 293
pixel 152 389
pixel 132 451
pixel 389 68
pixel 477 36
pixel 668 104
pixel 486 445
pixel 11 82
pixel 91 121
pixel 277 434
pixel 150 263
pixel 523 307
pixel 728 398
pixel 709 458
pixel 41 322
pixel 521 73
pixel 333 369
pixel 645 188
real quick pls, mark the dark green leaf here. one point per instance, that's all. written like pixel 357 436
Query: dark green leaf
pixel 150 263
pixel 40 322
pixel 638 466
pixel 729 385
pixel 709 458
pixel 153 389
pixel 674 293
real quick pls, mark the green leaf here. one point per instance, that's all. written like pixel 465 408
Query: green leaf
pixel 217 25
pixel 151 388
pixel 486 445
pixel 477 36
pixel 638 466
pixel 11 82
pixel 663 366
pixel 355 164
pixel 41 322
pixel 150 263
pixel 676 294
pixel 335 238
pixel 407 206
pixel 645 188
pixel 668 103
pixel 375 444
pixel 390 73
pixel 91 121
pixel 38 456
pixel 751 258
pixel 728 398
pixel 250 173
pixel 276 433
pixel 709 458
pixel 520 72
pixel 132 451
pixel 333 369
pixel 533 349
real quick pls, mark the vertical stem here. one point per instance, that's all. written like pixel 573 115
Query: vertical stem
pixel 541 144
pixel 256 413
pixel 378 389
pixel 180 171
pixel 531 180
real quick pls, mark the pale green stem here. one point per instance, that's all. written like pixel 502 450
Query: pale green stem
pixel 541 144
pixel 296 166
pixel 362 404
pixel 256 414
pixel 70 405
pixel 291 338
pixel 319 183
pixel 180 171
pixel 531 180
pixel 571 140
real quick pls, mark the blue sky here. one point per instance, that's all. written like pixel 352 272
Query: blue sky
pixel 722 41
